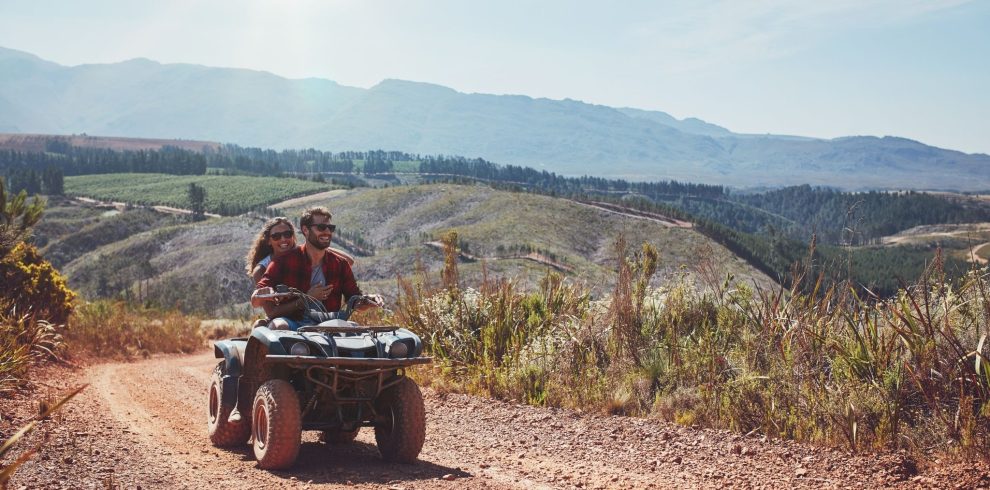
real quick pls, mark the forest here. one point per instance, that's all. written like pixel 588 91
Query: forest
pixel 772 230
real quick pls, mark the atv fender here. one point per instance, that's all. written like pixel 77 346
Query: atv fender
pixel 242 357
pixel 267 339
pixel 232 353
pixel 263 341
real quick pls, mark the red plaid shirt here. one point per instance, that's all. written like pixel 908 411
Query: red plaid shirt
pixel 294 269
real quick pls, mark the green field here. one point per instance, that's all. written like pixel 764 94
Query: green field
pixel 225 194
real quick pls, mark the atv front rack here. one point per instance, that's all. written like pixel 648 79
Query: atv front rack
pixel 338 329
pixel 355 362
pixel 349 369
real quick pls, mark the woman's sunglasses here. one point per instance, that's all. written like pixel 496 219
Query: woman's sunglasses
pixel 324 226
pixel 282 234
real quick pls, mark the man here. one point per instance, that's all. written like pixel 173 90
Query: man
pixel 324 276
pixel 311 268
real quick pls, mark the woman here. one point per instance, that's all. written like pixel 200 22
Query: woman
pixel 276 237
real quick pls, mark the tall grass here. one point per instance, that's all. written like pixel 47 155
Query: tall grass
pixel 832 366
pixel 119 329
pixel 24 341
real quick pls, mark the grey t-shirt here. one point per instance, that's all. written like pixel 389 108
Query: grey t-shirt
pixel 316 277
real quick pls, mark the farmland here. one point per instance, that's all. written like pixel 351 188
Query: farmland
pixel 225 194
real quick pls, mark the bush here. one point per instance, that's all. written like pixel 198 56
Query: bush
pixel 33 286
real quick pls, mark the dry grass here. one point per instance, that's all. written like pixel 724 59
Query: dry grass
pixel 117 329
pixel 829 367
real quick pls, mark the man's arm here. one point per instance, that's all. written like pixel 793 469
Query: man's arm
pixel 350 288
pixel 348 285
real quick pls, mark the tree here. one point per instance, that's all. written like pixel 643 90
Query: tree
pixel 197 200
pixel 52 181
pixel 17 217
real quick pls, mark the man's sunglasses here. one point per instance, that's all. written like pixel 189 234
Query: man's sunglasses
pixel 282 234
pixel 323 226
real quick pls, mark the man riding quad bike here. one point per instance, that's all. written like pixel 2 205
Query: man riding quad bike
pixel 333 376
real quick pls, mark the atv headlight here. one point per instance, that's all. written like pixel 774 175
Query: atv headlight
pixel 398 349
pixel 299 349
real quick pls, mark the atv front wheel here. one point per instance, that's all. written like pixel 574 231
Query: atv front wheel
pixel 276 425
pixel 401 426
pixel 223 433
pixel 339 436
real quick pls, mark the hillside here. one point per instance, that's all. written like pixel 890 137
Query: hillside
pixel 140 97
pixel 199 266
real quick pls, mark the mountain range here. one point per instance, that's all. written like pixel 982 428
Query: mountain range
pixel 144 98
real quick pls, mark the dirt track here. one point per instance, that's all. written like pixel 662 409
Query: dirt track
pixel 143 425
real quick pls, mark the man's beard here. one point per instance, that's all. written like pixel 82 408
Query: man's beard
pixel 313 240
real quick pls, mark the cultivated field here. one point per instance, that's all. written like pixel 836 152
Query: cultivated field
pixel 225 194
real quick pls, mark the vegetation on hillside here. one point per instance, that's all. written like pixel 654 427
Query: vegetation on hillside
pixel 834 217
pixel 837 368
pixel 36 305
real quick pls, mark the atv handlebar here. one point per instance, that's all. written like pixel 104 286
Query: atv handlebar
pixel 282 292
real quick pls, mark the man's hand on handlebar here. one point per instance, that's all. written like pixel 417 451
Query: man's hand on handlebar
pixel 366 302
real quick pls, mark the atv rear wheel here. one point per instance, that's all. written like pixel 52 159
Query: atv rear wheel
pixel 401 426
pixel 223 433
pixel 339 436
pixel 276 425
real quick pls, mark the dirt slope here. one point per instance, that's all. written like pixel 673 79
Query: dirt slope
pixel 142 425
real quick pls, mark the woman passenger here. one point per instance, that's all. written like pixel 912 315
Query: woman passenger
pixel 276 237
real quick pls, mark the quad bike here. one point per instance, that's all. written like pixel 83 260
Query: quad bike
pixel 334 376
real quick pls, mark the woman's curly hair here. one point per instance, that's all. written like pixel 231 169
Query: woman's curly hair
pixel 262 247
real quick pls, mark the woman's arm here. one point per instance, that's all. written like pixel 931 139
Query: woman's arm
pixel 257 273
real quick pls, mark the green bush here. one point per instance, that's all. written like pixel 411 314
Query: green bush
pixel 33 286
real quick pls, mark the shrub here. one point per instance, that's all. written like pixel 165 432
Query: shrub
pixel 32 285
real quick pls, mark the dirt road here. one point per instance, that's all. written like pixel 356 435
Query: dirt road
pixel 143 425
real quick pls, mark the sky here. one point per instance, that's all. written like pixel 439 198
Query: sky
pixel 910 68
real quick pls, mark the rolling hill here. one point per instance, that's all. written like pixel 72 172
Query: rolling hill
pixel 143 98
pixel 199 266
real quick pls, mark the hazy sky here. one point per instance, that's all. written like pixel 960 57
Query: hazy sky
pixel 825 68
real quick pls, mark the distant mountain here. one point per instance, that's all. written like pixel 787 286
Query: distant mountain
pixel 142 98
